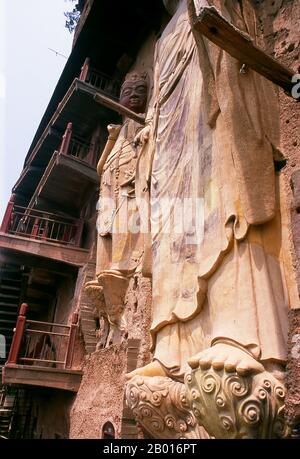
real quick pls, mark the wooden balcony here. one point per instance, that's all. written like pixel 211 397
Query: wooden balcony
pixel 26 250
pixel 99 80
pixel 40 225
pixel 70 176
pixel 79 107
pixel 42 234
pixel 41 355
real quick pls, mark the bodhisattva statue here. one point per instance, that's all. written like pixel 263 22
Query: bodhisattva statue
pixel 119 246
pixel 221 275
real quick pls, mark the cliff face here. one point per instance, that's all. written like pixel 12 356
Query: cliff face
pixel 100 398
pixel 280 32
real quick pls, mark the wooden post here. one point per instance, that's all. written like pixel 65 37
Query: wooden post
pixel 67 234
pixel 8 214
pixel 71 342
pixel 18 335
pixel 45 229
pixel 35 228
pixel 210 23
pixel 65 144
pixel 85 69
pixel 94 148
pixel 79 230
pixel 90 156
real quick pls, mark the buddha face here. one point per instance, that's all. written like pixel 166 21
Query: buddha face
pixel 171 6
pixel 134 95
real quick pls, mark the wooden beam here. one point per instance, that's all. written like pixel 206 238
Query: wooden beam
pixel 8 213
pixel 32 261
pixel 35 169
pixel 68 254
pixel 51 206
pixel 18 335
pixel 42 181
pixel 110 103
pixel 38 376
pixel 81 168
pixel 210 23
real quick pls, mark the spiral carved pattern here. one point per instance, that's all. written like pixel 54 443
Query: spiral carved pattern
pixel 227 423
pixel 209 383
pixel 156 398
pixel 251 411
pixel 236 385
pixel 159 405
pixel 157 424
pixel 280 392
pixel 231 406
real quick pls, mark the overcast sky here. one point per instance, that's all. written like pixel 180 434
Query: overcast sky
pixel 29 72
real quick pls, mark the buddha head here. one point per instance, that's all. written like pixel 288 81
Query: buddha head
pixel 134 92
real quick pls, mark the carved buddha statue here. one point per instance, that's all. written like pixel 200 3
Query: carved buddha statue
pixel 223 284
pixel 119 247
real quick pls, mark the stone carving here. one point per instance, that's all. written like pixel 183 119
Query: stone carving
pixel 223 280
pixel 159 406
pixel 120 245
pixel 95 292
pixel 237 407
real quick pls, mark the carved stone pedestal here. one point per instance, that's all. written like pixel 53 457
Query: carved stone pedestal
pixel 230 406
pixel 108 295
pixel 159 406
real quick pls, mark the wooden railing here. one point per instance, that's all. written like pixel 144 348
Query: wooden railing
pixel 71 143
pixel 78 148
pixel 75 146
pixel 43 344
pixel 99 80
pixel 2 395
pixel 41 225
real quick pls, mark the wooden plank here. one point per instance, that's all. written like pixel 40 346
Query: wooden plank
pixel 43 180
pixel 239 45
pixel 25 375
pixel 62 253
pixel 21 258
pixel 119 108
pixel 83 169
pixel 69 182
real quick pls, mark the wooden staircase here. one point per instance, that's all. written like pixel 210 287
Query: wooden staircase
pixel 7 411
pixel 10 296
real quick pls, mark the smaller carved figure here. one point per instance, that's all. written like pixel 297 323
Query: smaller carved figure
pixel 120 247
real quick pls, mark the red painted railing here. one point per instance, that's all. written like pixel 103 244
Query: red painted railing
pixel 79 148
pixel 37 224
pixel 6 222
pixel 72 144
pixel 99 80
pixel 43 343
pixel 75 146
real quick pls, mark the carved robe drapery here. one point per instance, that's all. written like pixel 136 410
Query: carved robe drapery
pixel 119 239
pixel 218 267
